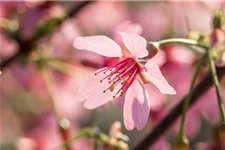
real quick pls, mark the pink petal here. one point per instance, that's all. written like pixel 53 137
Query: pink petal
pixel 91 93
pixel 98 44
pixel 159 58
pixel 155 76
pixel 136 107
pixel 135 44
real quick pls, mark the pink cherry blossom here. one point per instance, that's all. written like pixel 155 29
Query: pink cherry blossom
pixel 123 80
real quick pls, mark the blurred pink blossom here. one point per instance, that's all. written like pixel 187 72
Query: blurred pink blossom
pixel 188 16
pixel 61 40
pixel 8 47
pixel 65 86
pixel 64 92
pixel 28 77
pixel 102 16
pixel 47 136
pixel 153 19
pixel 28 21
pixel 122 77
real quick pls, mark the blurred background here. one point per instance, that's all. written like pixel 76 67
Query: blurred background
pixel 38 110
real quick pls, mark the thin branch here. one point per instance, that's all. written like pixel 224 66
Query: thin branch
pixel 173 115
pixel 47 76
pixel 25 47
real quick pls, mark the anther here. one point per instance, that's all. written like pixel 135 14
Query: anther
pixel 114 96
pixel 111 88
pixel 104 91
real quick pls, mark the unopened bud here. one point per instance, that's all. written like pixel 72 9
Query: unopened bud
pixel 181 144
pixel 217 37
pixel 220 60
pixel 65 128
pixel 64 123
pixel 218 20
pixel 115 128
pixel 123 145
pixel 194 35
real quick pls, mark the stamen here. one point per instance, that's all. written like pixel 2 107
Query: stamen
pixel 103 70
pixel 122 73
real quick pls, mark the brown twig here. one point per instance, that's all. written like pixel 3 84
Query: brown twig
pixel 25 47
pixel 173 115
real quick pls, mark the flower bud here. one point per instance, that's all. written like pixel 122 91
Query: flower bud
pixel 115 128
pixel 181 144
pixel 194 35
pixel 217 37
pixel 220 60
pixel 218 20
pixel 65 128
pixel 217 41
pixel 123 145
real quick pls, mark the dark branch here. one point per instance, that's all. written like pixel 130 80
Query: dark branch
pixel 26 46
pixel 171 117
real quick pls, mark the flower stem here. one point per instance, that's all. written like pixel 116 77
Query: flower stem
pixel 182 41
pixel 63 129
pixel 181 134
pixel 91 133
pixel 216 85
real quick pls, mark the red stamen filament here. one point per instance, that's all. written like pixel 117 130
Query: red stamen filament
pixel 122 73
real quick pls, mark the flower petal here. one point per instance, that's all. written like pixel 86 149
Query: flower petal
pixel 160 58
pixel 91 93
pixel 135 44
pixel 155 76
pixel 98 44
pixel 136 107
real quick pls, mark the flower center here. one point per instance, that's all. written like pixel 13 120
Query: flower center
pixel 122 73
